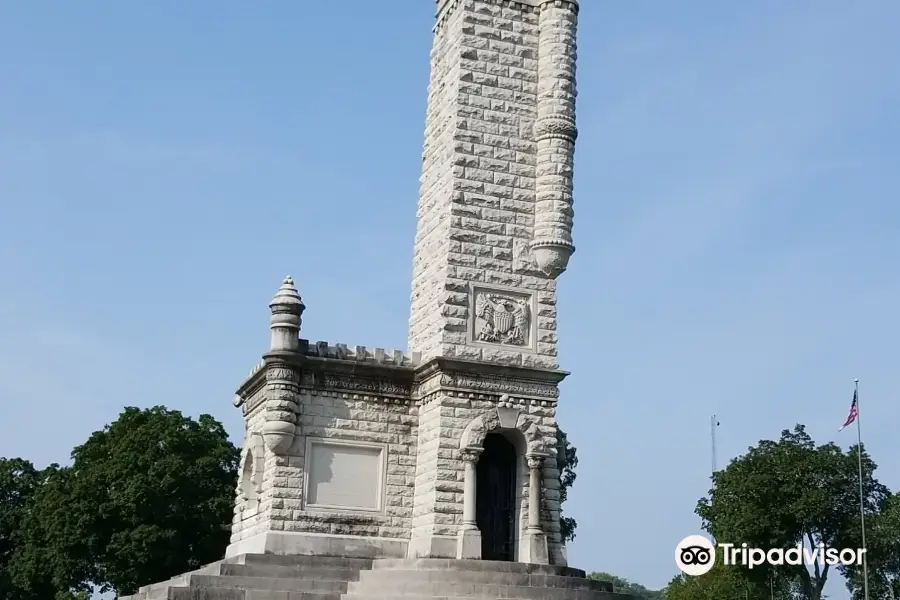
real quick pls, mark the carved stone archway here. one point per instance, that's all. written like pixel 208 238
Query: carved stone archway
pixel 471 444
pixel 503 418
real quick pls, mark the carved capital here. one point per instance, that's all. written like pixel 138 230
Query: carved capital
pixel 535 461
pixel 470 455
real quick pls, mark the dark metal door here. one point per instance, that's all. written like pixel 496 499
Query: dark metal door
pixel 495 501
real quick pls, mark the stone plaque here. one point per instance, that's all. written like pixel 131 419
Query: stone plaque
pixel 344 475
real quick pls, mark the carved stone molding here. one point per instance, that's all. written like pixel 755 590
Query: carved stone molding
pixel 507 385
pixel 533 436
pixel 570 4
pixel 479 427
pixel 285 374
pixel 499 385
pixel 555 128
pixel 355 383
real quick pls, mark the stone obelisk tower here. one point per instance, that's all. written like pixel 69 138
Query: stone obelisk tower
pixel 494 229
pixel 375 466
pixel 495 211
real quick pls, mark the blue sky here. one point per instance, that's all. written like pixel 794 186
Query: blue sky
pixel 163 166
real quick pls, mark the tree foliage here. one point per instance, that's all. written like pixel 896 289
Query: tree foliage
pixel 787 492
pixel 50 561
pixel 18 482
pixel 146 498
pixel 623 586
pixel 726 582
pixel 567 460
pixel 883 553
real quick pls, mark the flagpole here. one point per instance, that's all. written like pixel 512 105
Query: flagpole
pixel 862 501
pixel 712 433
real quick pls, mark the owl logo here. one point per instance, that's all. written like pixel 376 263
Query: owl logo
pixel 505 319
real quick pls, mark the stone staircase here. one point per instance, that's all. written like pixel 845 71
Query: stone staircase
pixel 261 577
pixel 429 579
pixel 274 577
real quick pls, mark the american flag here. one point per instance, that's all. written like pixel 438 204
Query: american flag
pixel 854 412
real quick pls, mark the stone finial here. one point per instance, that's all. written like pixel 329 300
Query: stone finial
pixel 287 309
pixel 287 295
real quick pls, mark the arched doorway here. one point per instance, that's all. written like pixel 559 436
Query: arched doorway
pixel 495 503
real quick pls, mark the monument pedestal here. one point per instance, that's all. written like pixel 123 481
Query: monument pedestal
pixel 432 546
pixel 535 545
pixel 468 543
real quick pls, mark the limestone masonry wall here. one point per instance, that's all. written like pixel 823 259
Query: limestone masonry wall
pixel 251 503
pixel 338 416
pixel 429 292
pixel 488 177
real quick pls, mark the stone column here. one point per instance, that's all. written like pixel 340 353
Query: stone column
pixel 468 544
pixel 282 377
pixel 555 134
pixel 535 539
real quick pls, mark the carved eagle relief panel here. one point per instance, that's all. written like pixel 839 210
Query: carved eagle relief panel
pixel 502 318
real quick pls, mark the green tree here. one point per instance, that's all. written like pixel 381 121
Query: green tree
pixel 787 492
pixel 23 577
pixel 51 559
pixel 19 481
pixel 146 498
pixel 882 554
pixel 725 582
pixel 567 460
pixel 623 586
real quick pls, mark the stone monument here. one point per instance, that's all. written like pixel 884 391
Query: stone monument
pixel 390 473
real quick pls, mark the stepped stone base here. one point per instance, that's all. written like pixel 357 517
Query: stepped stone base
pixel 280 577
